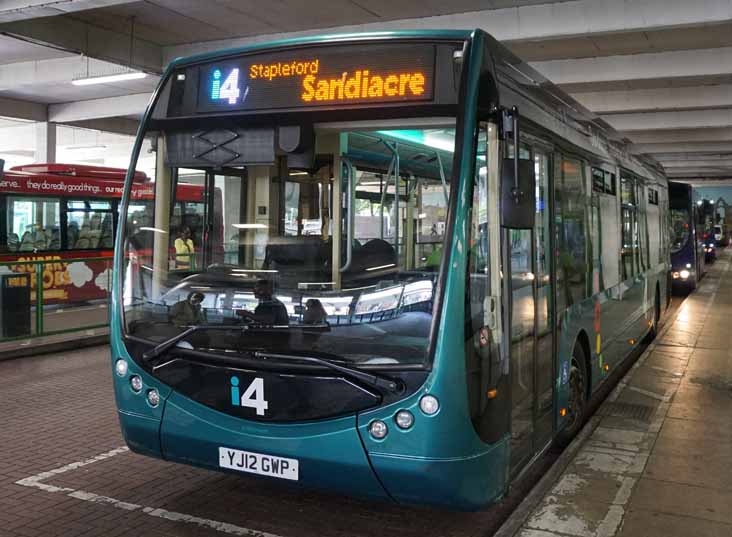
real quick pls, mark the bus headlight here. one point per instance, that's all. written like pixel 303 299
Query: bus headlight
pixel 136 383
pixel 684 274
pixel 120 366
pixel 378 429
pixel 429 404
pixel 153 397
pixel 404 419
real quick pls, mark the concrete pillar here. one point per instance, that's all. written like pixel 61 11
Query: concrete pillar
pixel 161 241
pixel 45 143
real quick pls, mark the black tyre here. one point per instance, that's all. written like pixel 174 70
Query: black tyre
pixel 577 404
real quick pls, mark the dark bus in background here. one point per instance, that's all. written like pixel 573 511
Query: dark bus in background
pixel 688 263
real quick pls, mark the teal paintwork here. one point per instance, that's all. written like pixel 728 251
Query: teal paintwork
pixel 329 451
pixel 440 460
pixel 444 445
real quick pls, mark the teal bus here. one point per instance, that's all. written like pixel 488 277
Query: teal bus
pixel 425 261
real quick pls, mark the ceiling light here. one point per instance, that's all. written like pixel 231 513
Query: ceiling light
pixel 250 226
pixel 107 79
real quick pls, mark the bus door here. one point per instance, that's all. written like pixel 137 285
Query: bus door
pixel 520 248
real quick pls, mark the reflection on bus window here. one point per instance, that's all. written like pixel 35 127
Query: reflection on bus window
pixel 680 229
pixel 277 224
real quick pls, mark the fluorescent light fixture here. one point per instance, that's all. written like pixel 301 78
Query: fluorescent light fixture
pixel 381 267
pixel 250 226
pixel 156 230
pixel 299 173
pixel 107 79
pixel 84 148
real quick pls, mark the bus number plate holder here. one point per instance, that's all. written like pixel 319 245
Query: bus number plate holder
pixel 259 463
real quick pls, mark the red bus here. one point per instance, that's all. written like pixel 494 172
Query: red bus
pixel 58 212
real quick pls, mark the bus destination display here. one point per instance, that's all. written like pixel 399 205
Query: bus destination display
pixel 319 76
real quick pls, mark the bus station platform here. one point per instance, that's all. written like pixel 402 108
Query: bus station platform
pixel 654 460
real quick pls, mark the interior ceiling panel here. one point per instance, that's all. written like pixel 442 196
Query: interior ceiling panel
pixel 14 51
pixel 171 22
pixel 613 44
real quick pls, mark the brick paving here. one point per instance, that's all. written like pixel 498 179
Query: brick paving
pixel 59 409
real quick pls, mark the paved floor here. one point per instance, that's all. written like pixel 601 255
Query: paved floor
pixel 78 318
pixel 64 470
pixel 660 461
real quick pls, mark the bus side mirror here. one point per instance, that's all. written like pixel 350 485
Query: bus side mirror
pixel 518 198
pixel 2 168
pixel 518 183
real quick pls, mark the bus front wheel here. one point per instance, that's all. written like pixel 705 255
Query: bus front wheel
pixel 577 404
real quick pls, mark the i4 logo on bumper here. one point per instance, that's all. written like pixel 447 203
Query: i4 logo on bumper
pixel 253 396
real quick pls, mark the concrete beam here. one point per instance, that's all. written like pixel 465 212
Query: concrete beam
pixel 698 148
pixel 692 158
pixel 126 105
pixel 696 174
pixel 18 109
pixel 117 125
pixel 80 37
pixel 648 100
pixel 15 10
pixel 709 181
pixel 697 164
pixel 529 22
pixel 680 64
pixel 697 119
pixel 57 70
pixel 703 135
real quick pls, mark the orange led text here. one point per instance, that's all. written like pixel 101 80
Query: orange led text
pixel 362 85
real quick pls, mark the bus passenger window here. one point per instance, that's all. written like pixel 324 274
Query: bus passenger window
pixel 33 224
pixel 629 231
pixel 571 204
pixel 89 225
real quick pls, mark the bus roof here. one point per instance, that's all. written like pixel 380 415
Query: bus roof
pixel 81 170
pixel 323 39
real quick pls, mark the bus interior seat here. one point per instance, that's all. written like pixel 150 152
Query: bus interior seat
pixel 374 253
pixel 13 242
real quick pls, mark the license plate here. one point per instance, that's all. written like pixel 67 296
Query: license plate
pixel 259 463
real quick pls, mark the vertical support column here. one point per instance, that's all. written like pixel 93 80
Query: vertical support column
pixel 45 143
pixel 331 144
pixel 409 228
pixel 161 242
pixel 258 195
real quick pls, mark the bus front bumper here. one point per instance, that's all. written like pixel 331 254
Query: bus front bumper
pixel 329 453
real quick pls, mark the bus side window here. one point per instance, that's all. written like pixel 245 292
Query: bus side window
pixel 33 224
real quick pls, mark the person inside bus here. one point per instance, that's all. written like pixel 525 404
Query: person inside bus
pixel 188 312
pixel 270 310
pixel 72 232
pixel 184 249
pixel 314 312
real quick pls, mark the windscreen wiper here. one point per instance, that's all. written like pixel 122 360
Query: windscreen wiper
pixel 375 381
pixel 164 346
pixel 170 342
